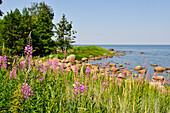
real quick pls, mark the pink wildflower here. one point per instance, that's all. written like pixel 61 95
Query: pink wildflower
pixel 26 91
pixel 88 71
pixel 104 84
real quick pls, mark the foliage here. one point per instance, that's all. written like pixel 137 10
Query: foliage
pixel 12 32
pixel 15 27
pixel 53 89
pixel 82 51
pixel 42 33
pixel 37 8
pixel 64 34
pixel 85 51
pixel 0 10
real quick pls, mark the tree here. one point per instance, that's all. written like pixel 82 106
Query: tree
pixel 64 34
pixel 36 9
pixel 12 33
pixel 0 10
pixel 42 33
pixel 16 27
pixel 26 23
pixel 42 16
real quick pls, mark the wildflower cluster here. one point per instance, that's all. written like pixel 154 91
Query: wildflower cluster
pixel 28 50
pixel 3 62
pixel 88 71
pixel 23 65
pixel 62 69
pixel 104 84
pixel 13 73
pixel 26 91
pixel 76 70
pixel 94 78
pixel 78 89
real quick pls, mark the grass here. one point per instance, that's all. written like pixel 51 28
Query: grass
pixel 54 91
pixel 83 51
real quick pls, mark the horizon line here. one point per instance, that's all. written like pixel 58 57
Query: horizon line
pixel 116 44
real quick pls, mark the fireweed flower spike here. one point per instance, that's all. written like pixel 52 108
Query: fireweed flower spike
pixel 13 73
pixel 76 70
pixel 104 84
pixel 94 78
pixel 3 62
pixel 26 91
pixel 88 71
pixel 79 89
pixel 23 65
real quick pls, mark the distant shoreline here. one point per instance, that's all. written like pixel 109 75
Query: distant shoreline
pixel 119 45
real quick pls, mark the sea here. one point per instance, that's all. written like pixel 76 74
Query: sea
pixel 152 54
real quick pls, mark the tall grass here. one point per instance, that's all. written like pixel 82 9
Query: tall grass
pixel 53 91
pixel 83 51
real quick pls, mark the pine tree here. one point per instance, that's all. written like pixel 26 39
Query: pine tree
pixel 42 33
pixel 0 10
pixel 37 8
pixel 12 33
pixel 64 34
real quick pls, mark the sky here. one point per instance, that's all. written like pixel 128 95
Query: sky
pixel 117 22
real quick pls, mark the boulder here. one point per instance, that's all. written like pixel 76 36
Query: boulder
pixel 127 63
pixel 110 56
pixel 159 70
pixel 158 78
pixel 98 58
pixel 112 65
pixel 122 54
pixel 135 75
pixel 131 70
pixel 111 49
pixel 168 72
pixel 116 54
pixel 71 57
pixel 102 67
pixel 167 68
pixel 128 73
pixel 105 54
pixel 143 71
pixel 120 65
pixel 91 56
pixel 154 65
pixel 137 68
pixel 120 75
pixel 102 70
pixel 113 52
pixel 113 69
pixel 95 69
pixel 84 59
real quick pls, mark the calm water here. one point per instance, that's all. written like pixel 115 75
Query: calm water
pixel 155 54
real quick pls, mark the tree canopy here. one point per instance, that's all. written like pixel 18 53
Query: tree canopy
pixel 0 10
pixel 37 19
pixel 64 34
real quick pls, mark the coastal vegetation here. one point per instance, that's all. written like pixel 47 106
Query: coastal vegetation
pixel 82 51
pixel 32 85
pixel 38 74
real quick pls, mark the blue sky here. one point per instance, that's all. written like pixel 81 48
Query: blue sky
pixel 110 21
